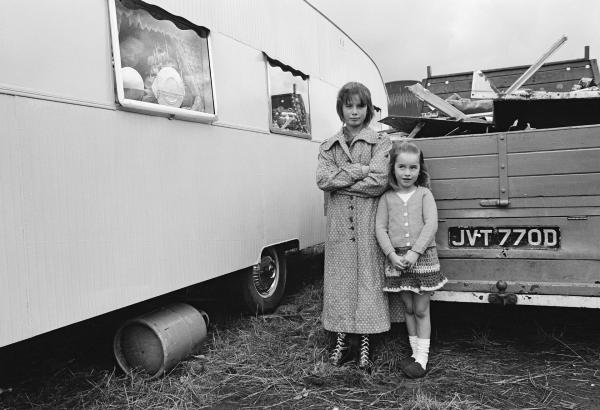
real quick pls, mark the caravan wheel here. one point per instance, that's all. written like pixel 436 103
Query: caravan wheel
pixel 263 286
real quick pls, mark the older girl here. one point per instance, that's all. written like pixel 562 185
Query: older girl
pixel 353 169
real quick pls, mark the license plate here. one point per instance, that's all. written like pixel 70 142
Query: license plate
pixel 526 237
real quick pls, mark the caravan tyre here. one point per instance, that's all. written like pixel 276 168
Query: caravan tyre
pixel 263 286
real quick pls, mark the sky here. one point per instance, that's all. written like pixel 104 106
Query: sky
pixel 403 37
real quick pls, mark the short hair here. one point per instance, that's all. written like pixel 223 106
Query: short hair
pixel 345 96
pixel 423 178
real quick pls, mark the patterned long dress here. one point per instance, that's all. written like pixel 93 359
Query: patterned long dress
pixel 353 299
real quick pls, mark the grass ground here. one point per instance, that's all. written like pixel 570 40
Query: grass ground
pixel 481 357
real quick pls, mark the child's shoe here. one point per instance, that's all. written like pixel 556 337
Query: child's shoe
pixel 406 361
pixel 414 370
pixel 364 359
pixel 341 353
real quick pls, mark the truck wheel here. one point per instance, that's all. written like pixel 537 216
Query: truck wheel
pixel 263 286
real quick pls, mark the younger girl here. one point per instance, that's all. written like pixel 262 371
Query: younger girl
pixel 353 170
pixel 406 223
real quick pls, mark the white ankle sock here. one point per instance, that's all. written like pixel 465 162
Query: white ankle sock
pixel 413 345
pixel 422 355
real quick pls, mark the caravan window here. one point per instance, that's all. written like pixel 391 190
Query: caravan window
pixel 162 62
pixel 290 111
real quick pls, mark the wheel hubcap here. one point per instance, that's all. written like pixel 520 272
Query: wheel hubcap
pixel 266 276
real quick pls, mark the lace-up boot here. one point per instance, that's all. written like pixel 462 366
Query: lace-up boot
pixel 364 356
pixel 341 353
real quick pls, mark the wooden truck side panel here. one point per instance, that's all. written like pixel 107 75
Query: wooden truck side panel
pixel 549 178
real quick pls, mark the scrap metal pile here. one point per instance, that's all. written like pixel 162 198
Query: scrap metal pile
pixel 557 94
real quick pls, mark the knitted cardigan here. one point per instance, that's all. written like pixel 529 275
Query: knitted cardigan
pixel 412 224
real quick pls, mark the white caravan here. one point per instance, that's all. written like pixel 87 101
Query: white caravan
pixel 149 146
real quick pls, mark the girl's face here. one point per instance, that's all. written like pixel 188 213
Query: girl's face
pixel 354 112
pixel 406 169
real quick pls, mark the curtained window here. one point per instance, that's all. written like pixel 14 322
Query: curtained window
pixel 164 60
pixel 290 109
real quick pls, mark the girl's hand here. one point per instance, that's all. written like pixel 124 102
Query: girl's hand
pixel 365 170
pixel 396 261
pixel 411 257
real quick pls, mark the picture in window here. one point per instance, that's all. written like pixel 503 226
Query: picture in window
pixel 164 59
pixel 289 100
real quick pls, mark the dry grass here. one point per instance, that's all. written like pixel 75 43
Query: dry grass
pixel 481 358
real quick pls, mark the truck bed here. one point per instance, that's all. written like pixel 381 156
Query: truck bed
pixel 542 185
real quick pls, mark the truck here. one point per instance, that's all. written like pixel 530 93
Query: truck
pixel 519 207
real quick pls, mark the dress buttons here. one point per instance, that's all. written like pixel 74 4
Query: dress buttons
pixel 352 227
pixel 407 235
pixel 353 239
pixel 405 214
pixel 407 243
pixel 405 223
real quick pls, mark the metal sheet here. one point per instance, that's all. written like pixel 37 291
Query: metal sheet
pixel 503 185
pixel 12 254
pixel 434 127
pixel 241 109
pixel 323 97
pixel 112 208
pixel 401 100
pixel 71 59
pixel 549 113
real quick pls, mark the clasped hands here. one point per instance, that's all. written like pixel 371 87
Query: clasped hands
pixel 403 262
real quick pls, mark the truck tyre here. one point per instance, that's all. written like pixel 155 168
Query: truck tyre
pixel 263 286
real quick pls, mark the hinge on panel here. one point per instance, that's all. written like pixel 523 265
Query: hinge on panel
pixel 503 170
pixel 503 200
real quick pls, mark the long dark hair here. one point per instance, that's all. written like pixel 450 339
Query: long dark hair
pixel 422 179
pixel 345 96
